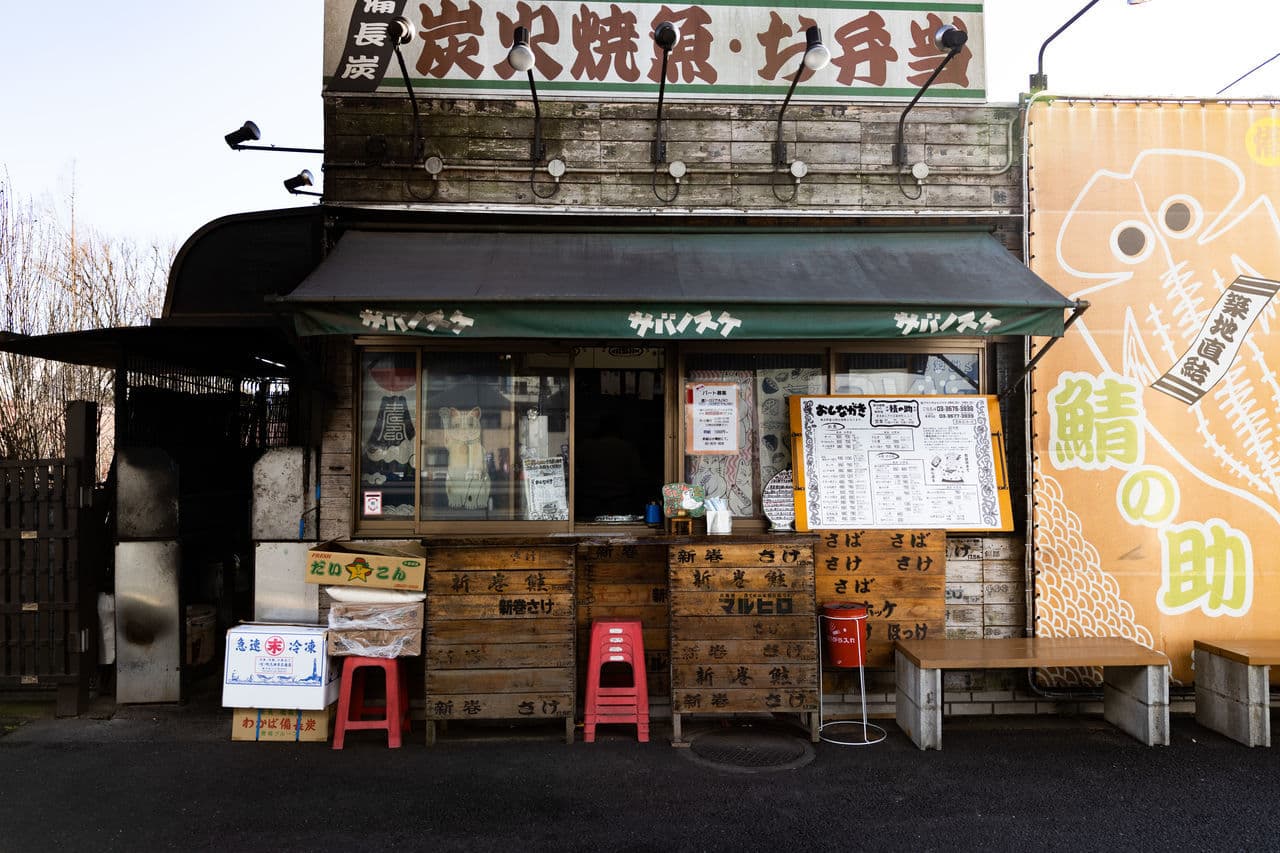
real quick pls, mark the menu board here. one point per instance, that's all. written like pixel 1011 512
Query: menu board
pixel 899 462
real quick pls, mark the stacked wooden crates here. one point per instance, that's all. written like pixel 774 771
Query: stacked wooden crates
pixel 743 628
pixel 500 632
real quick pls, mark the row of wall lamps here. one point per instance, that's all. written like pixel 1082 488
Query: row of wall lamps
pixel 816 56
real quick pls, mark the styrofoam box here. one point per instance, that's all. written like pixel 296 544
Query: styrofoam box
pixel 272 665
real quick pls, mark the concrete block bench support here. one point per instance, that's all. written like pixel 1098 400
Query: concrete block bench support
pixel 1135 699
pixel 1232 688
pixel 919 702
pixel 1135 679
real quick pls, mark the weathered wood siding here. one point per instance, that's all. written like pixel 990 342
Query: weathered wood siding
pixel 338 436
pixel 973 153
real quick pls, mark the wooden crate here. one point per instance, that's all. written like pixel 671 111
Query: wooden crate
pixel 898 575
pixel 500 633
pixel 743 628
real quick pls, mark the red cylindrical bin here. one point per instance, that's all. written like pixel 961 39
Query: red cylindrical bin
pixel 846 637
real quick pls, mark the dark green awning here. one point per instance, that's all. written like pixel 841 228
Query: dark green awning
pixel 681 284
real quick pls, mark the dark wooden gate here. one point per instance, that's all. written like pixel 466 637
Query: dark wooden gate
pixel 42 638
pixel 50 563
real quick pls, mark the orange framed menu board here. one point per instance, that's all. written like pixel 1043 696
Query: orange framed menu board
pixel 868 462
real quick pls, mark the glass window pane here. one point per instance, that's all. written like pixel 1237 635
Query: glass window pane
pixel 495 444
pixel 618 436
pixel 764 434
pixel 907 373
pixel 388 410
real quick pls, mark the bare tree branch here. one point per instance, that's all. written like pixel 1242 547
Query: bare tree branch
pixel 62 279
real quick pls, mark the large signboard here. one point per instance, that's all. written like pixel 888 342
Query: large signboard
pixel 894 462
pixel 726 49
pixel 1157 450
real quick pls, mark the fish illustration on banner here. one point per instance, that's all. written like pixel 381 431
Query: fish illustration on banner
pixel 1156 456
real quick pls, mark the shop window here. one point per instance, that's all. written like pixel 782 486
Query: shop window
pixel 618 432
pixel 762 446
pixel 495 441
pixel 387 433
pixel 915 374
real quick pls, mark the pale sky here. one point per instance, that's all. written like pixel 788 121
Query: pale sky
pixel 133 97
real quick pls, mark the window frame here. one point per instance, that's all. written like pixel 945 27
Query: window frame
pixel 675 354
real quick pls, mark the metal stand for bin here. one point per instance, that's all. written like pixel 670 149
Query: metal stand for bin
pixel 867 728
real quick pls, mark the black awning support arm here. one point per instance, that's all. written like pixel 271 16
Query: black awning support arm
pixel 1077 312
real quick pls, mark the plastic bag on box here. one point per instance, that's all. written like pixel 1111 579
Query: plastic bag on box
pixel 375 617
pixel 376 644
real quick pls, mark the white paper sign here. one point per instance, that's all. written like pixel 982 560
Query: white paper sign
pixel 712 417
pixel 545 495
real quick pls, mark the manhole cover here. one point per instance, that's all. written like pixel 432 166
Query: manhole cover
pixel 749 750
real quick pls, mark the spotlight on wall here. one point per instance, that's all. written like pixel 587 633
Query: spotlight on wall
pixel 665 36
pixel 248 131
pixel 302 179
pixel 816 56
pixel 401 32
pixel 521 58
pixel 1040 80
pixel 952 41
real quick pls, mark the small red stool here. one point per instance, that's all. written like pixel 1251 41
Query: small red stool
pixel 616 643
pixel 352 707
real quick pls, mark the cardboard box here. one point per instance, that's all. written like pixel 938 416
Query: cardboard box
pixel 283 726
pixel 348 616
pixel 376 644
pixel 273 665
pixel 367 565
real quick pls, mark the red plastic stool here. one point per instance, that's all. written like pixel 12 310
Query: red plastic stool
pixel 616 643
pixel 352 707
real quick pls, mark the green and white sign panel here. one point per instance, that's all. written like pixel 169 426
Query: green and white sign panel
pixel 725 49
pixel 703 321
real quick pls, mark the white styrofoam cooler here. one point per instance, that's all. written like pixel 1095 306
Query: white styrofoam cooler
pixel 278 666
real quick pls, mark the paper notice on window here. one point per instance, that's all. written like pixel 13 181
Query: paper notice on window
pixel 545 496
pixel 711 417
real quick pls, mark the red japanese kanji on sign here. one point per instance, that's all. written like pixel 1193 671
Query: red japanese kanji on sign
pixel 274 646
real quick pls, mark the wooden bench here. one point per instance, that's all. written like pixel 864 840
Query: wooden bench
pixel 1136 679
pixel 1232 688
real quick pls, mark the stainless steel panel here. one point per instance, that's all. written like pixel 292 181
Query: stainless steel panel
pixel 146 494
pixel 280 590
pixel 280 496
pixel 148 651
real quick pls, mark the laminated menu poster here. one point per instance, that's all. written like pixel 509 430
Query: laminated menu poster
pixel 880 462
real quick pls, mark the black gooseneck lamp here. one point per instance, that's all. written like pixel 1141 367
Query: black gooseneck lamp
pixel 816 56
pixel 665 36
pixel 521 58
pixel 1040 81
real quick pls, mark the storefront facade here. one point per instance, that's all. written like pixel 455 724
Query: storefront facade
pixel 505 304
pixel 520 292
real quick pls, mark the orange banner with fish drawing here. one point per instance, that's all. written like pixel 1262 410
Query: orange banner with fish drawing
pixel 1156 443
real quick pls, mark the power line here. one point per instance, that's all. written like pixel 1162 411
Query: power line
pixel 1244 75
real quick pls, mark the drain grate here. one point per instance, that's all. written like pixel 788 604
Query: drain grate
pixel 750 750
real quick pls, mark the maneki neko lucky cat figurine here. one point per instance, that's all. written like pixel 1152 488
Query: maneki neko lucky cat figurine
pixel 467 486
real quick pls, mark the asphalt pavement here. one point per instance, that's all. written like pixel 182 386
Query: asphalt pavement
pixel 169 777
